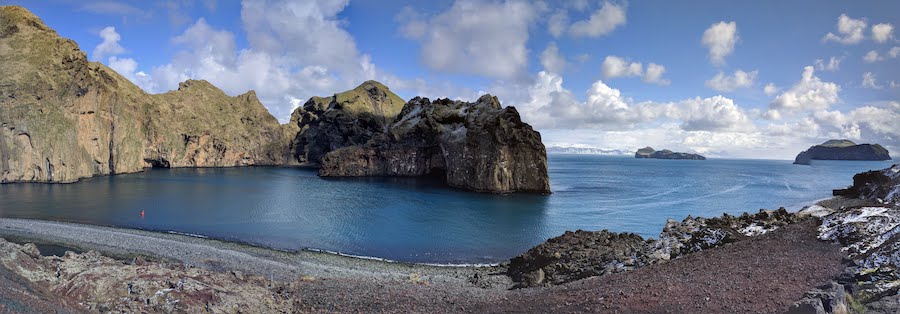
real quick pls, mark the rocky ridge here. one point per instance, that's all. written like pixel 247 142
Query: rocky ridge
pixel 478 146
pixel 842 150
pixel 649 152
pixel 63 118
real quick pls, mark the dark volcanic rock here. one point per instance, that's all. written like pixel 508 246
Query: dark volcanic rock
pixel 478 146
pixel 878 184
pixel 577 255
pixel 649 152
pixel 842 150
pixel 581 254
pixel 345 119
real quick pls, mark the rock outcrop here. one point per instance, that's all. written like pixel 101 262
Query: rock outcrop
pixel 842 150
pixel 581 254
pixel 649 152
pixel 478 146
pixel 345 119
pixel 63 118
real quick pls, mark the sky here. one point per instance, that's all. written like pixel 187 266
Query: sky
pixel 729 79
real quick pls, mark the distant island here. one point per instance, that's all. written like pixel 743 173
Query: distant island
pixel 649 152
pixel 842 150
pixel 586 151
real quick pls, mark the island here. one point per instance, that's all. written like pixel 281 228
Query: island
pixel 649 152
pixel 842 150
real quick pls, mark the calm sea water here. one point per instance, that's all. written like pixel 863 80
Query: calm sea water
pixel 417 220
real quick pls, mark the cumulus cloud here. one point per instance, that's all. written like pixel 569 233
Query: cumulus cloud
pixel 770 89
pixel 849 31
pixel 869 81
pixel 728 83
pixel 110 44
pixel 603 21
pixel 551 60
pixel 872 56
pixel 614 67
pixel 810 93
pixel 720 38
pixel 478 37
pixel 894 52
pixel 833 64
pixel 654 74
pixel 557 23
pixel 549 105
pixel 882 32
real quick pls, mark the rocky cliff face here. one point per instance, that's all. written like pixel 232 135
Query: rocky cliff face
pixel 345 119
pixel 649 152
pixel 478 146
pixel 63 118
pixel 842 150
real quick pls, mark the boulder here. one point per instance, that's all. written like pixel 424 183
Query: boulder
pixel 479 146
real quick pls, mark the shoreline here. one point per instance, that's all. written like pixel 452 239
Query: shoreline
pixel 215 254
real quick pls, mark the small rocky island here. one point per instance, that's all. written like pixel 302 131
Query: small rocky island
pixel 479 146
pixel 649 152
pixel 842 150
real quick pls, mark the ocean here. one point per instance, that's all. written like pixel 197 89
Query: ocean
pixel 420 220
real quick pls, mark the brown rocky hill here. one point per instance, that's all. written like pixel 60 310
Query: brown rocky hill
pixel 63 118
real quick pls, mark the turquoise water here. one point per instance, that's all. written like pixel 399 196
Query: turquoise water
pixel 418 220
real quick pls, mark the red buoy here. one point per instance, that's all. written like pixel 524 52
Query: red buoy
pixel 142 214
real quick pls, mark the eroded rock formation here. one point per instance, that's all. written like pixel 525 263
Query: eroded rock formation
pixel 345 119
pixel 478 146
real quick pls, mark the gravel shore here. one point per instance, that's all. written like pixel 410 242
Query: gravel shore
pixel 227 256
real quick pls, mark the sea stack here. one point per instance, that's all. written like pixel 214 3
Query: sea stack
pixel 479 146
pixel 649 152
pixel 842 150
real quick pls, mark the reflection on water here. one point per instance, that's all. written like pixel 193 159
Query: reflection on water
pixel 421 220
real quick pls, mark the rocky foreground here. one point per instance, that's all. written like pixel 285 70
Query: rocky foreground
pixel 63 118
pixel 838 256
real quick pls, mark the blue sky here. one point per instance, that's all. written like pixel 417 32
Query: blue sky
pixel 608 74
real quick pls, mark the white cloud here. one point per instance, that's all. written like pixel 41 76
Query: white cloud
pixel 872 56
pixel 551 60
pixel 869 81
pixel 720 38
pixel 728 83
pixel 478 37
pixel 557 23
pixel 894 52
pixel 882 32
pixel 770 89
pixel 833 64
pixel 654 74
pixel 850 31
pixel 603 21
pixel 110 44
pixel 614 67
pixel 810 93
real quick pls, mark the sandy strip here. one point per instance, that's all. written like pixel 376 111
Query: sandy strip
pixel 226 256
